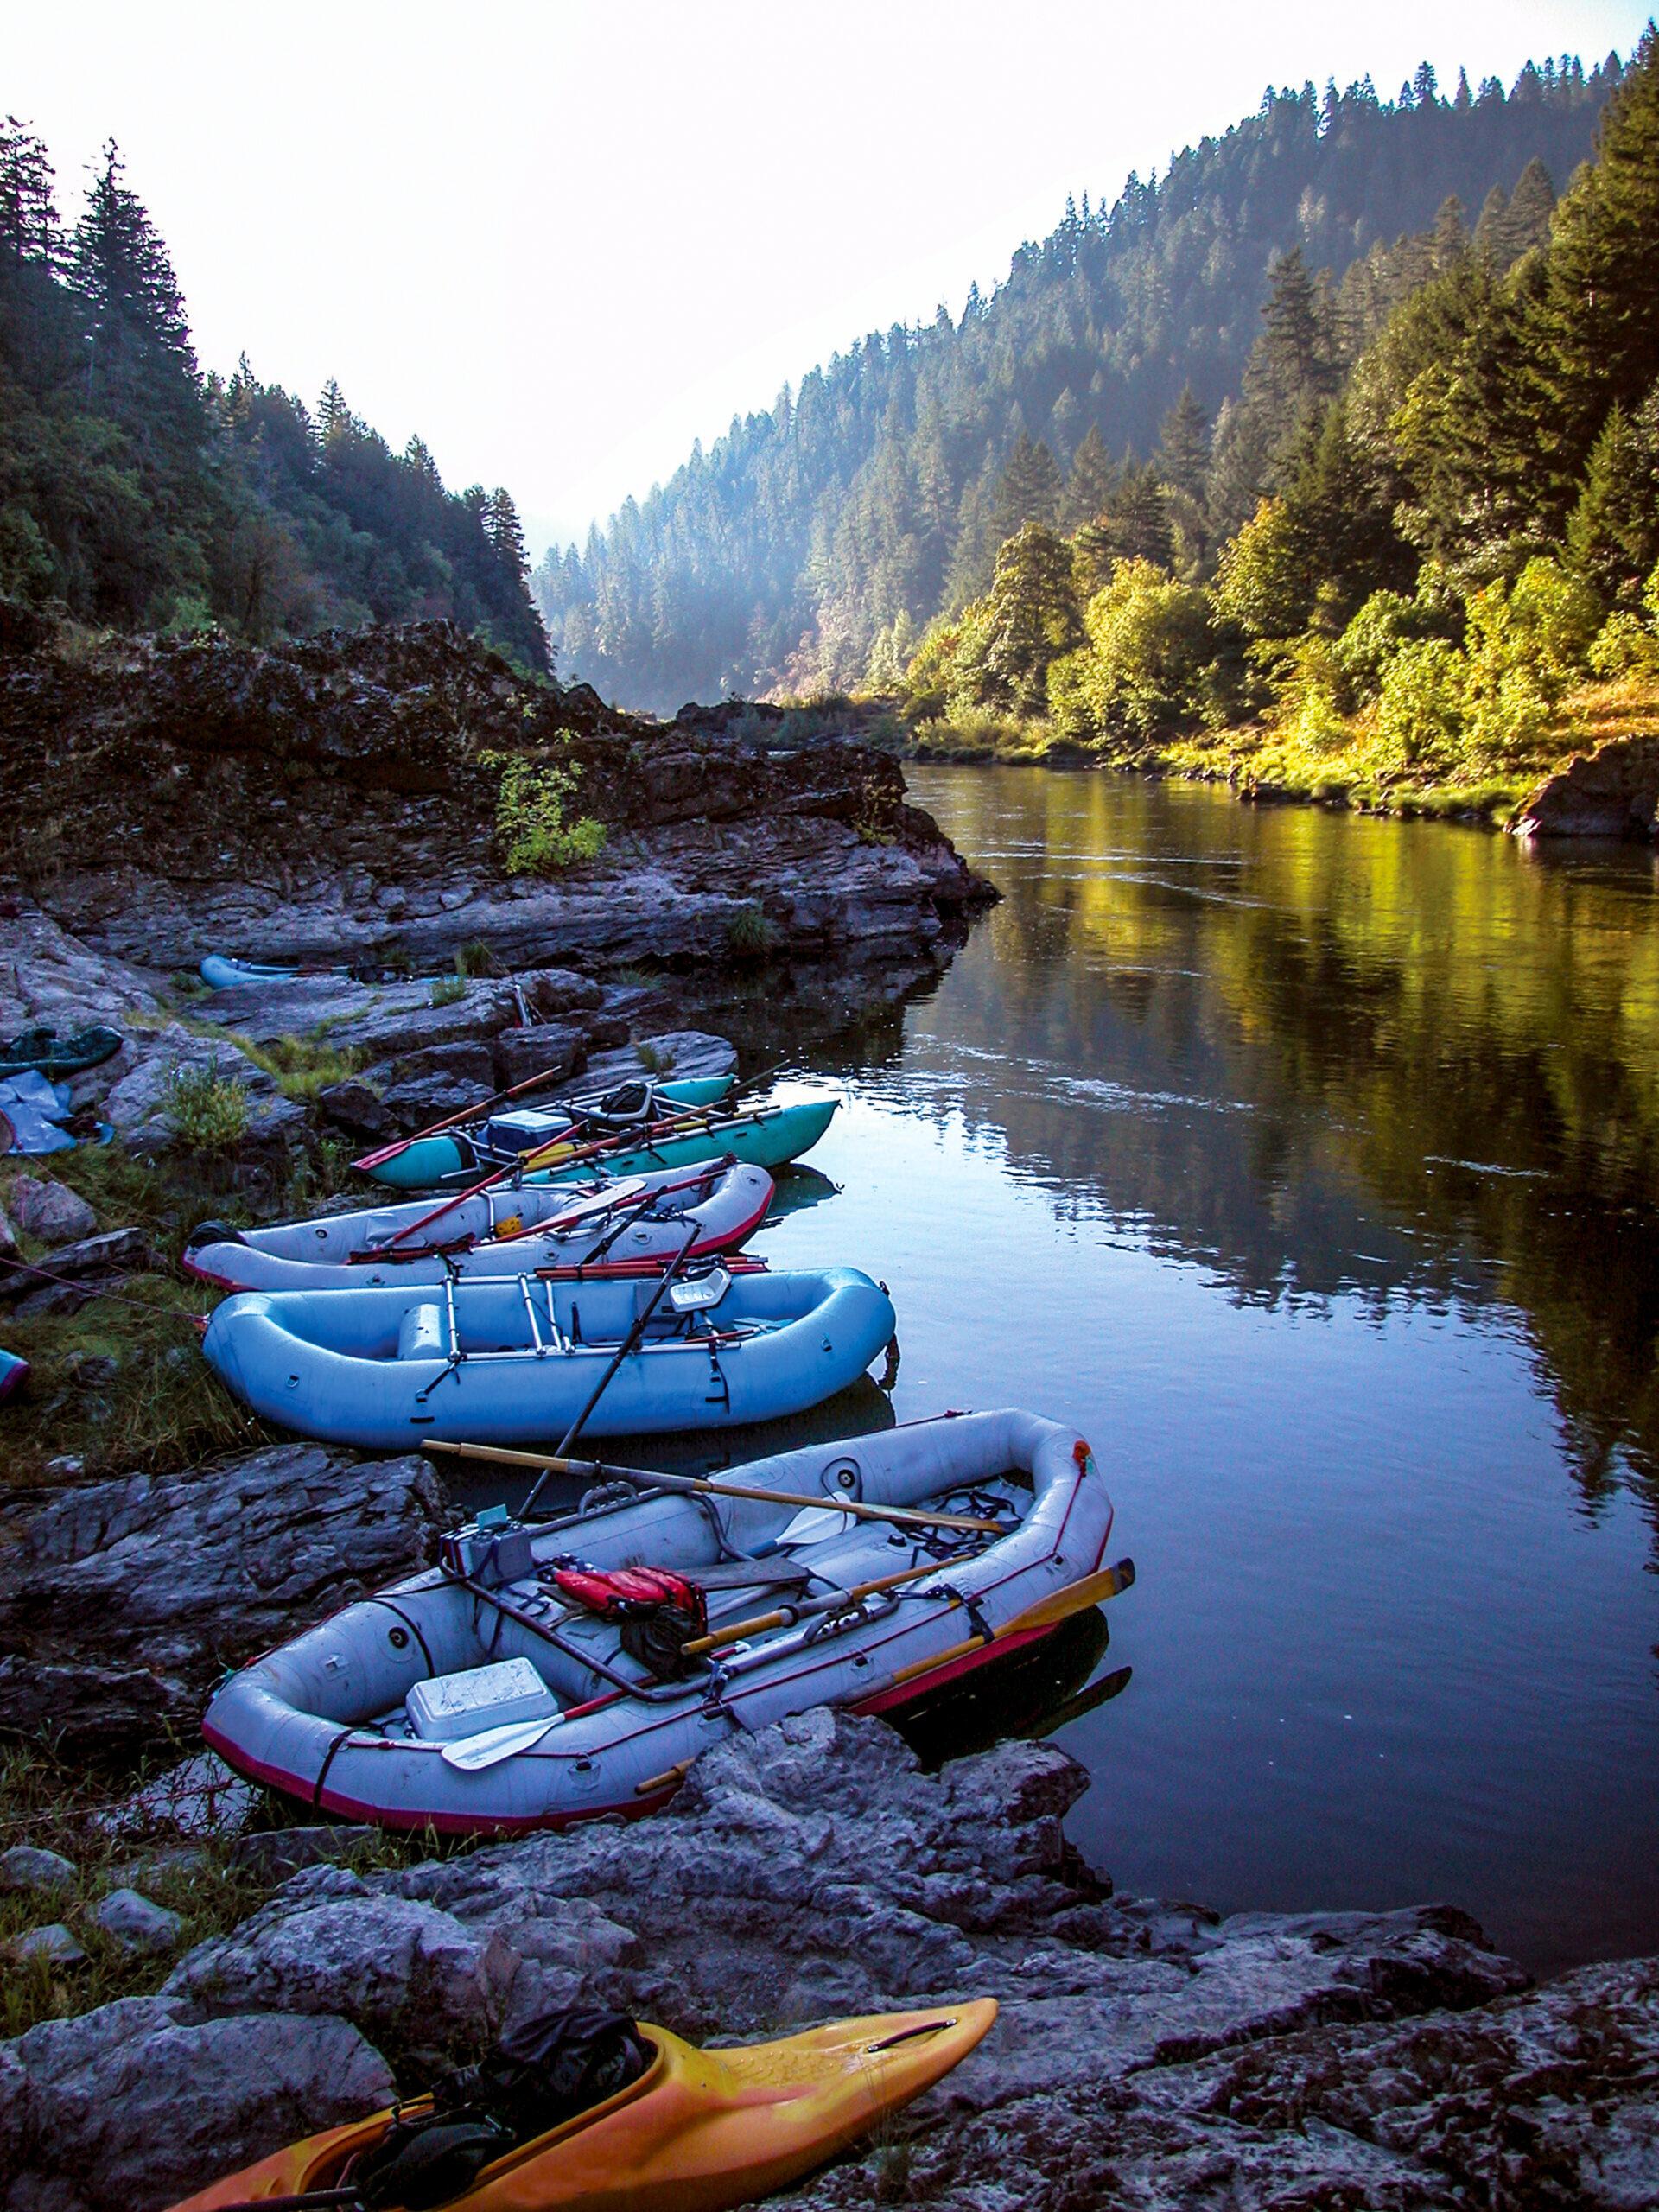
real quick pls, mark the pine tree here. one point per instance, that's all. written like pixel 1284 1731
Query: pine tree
pixel 1601 341
pixel 333 416
pixel 1138 519
pixel 143 366
pixel 29 217
pixel 1183 456
pixel 1093 479
pixel 504 531
pixel 1028 489
pixel 1032 617
pixel 1613 535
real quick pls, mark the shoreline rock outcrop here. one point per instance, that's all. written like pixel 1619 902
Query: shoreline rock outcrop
pixel 1611 793
pixel 122 1601
pixel 335 798
pixel 1147 2055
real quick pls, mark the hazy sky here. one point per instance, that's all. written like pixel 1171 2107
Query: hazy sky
pixel 562 240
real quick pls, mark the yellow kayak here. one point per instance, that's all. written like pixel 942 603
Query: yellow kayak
pixel 698 2130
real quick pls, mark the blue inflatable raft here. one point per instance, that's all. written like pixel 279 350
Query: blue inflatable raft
pixel 512 1359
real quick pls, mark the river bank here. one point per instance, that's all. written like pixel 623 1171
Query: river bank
pixel 1594 769
pixel 1144 2050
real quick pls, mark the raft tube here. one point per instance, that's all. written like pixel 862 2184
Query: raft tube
pixel 512 1359
pixel 616 1227
pixel 700 2130
pixel 327 1717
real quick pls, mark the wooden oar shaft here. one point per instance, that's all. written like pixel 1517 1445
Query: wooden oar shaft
pixel 829 1604
pixel 902 1515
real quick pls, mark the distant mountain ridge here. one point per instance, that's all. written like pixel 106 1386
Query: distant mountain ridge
pixel 864 502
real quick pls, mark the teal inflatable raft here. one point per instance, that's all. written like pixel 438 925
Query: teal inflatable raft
pixel 455 1159
pixel 514 1359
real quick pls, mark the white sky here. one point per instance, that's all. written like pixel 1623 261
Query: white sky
pixel 561 240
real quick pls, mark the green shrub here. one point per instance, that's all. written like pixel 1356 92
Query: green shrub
pixel 448 990
pixel 1148 641
pixel 301 1065
pixel 1420 706
pixel 1623 646
pixel 209 1111
pixel 750 934
pixel 475 958
pixel 530 823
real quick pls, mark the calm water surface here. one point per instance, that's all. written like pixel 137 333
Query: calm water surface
pixel 1307 1164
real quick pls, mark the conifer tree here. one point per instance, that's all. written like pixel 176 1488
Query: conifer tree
pixel 29 217
pixel 1093 479
pixel 142 362
pixel 1183 456
pixel 1028 490
pixel 1031 618
pixel 1613 535
pixel 1138 519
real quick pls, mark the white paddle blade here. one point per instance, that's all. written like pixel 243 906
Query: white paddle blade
pixel 816 1525
pixel 471 1754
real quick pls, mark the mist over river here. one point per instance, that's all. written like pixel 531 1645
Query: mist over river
pixel 1307 1163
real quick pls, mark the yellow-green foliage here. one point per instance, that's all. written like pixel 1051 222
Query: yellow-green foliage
pixel 208 1110
pixel 1148 643
pixel 302 1065
pixel 536 836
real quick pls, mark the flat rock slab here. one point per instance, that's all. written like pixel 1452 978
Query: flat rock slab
pixel 121 1601
pixel 684 1054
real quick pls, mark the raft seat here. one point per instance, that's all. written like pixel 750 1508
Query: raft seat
pixel 422 1335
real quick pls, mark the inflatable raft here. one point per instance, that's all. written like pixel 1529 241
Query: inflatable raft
pixel 622 1227
pixel 220 973
pixel 698 2130
pixel 445 1159
pixel 510 1359
pixel 485 1697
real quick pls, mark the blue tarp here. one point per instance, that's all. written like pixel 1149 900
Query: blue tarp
pixel 34 1108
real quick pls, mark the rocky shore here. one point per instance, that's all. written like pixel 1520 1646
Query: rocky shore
pixel 1146 2053
pixel 336 799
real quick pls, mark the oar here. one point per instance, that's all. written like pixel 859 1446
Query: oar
pixel 831 1603
pixel 454 1120
pixel 904 1516
pixel 471 1754
pixel 622 1352
pixel 1047 1612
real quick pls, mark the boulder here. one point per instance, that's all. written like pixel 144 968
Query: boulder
pixel 120 1601
pixel 1146 2054
pixel 682 1053
pixel 270 1854
pixel 136 1923
pixel 49 1212
pixel 1611 793
pixel 140 1105
pixel 554 1048
pixel 136 2104
pixel 52 1943
pixel 200 1797
pixel 117 1252
pixel 27 1867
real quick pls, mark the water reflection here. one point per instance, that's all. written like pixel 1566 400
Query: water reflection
pixel 1306 1164
pixel 1344 1057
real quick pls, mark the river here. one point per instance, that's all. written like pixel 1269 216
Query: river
pixel 1307 1163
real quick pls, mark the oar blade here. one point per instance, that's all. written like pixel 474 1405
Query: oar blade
pixel 1075 1598
pixel 471 1754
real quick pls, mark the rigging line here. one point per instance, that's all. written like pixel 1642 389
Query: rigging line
pixel 139 1305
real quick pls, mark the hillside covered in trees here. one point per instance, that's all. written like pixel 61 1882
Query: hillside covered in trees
pixel 1419 550
pixel 811 545
pixel 143 495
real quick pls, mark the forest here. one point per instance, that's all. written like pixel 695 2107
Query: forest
pixel 1417 556
pixel 140 494
pixel 811 545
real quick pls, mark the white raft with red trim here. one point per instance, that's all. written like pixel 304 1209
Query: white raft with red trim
pixel 478 1698
pixel 626 1226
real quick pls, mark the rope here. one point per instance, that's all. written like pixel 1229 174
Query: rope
pixel 139 1305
